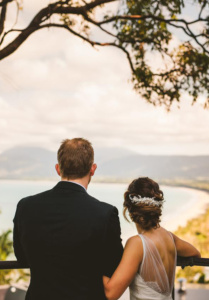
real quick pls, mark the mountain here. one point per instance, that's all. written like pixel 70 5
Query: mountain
pixel 27 163
pixel 113 163
pixel 158 167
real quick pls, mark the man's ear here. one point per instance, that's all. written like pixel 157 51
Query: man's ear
pixel 57 167
pixel 93 169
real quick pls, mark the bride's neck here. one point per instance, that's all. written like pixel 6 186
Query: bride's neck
pixel 142 231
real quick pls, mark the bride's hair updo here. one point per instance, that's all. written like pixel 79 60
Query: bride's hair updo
pixel 144 212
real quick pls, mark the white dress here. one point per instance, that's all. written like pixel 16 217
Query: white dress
pixel 152 281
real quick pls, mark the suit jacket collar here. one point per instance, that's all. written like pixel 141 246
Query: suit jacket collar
pixel 66 185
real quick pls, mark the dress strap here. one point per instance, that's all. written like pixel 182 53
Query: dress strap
pixel 152 269
pixel 171 235
pixel 144 247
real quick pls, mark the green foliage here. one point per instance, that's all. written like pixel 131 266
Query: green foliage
pixel 201 279
pixel 185 68
pixel 195 232
pixel 6 249
pixel 188 273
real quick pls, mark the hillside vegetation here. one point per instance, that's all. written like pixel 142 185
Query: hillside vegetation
pixel 196 232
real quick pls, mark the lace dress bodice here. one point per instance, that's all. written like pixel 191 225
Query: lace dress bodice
pixel 152 281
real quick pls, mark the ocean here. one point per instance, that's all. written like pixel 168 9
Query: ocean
pixel 180 203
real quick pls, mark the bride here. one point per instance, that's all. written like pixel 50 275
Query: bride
pixel 149 260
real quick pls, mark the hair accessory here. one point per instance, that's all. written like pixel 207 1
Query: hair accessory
pixel 145 200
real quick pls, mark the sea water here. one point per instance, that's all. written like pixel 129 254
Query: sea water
pixel 178 201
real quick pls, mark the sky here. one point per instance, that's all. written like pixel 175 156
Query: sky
pixel 55 87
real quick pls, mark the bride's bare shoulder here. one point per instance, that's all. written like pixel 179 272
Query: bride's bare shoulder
pixel 134 249
pixel 134 240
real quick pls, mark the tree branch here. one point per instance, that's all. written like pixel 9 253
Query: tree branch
pixel 3 2
pixel 152 33
pixel 15 44
pixel 90 20
pixel 150 16
pixel 59 8
pixel 9 31
pixel 202 8
pixel 170 22
pixel 43 15
pixel 2 18
pixel 139 17
pixel 92 43
pixel 196 40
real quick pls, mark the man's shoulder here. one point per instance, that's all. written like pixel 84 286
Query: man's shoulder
pixel 101 206
pixel 32 198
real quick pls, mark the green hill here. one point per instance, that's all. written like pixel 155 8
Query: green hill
pixel 196 232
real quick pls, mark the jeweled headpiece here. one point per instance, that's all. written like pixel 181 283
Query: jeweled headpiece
pixel 145 200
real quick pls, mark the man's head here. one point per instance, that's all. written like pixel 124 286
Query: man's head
pixel 75 159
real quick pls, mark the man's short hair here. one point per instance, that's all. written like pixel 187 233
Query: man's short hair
pixel 75 158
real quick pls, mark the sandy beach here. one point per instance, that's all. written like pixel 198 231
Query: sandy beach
pixel 196 206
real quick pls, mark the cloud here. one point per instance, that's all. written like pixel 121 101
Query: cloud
pixel 56 86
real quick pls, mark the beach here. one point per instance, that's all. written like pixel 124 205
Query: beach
pixel 197 206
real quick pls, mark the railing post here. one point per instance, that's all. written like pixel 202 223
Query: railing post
pixel 173 293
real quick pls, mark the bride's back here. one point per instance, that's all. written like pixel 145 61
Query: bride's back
pixel 162 245
pixel 155 277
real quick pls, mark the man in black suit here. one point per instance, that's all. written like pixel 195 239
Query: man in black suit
pixel 68 238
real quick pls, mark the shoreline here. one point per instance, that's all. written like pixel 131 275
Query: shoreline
pixel 196 207
pixel 192 209
pixel 168 183
pixel 184 185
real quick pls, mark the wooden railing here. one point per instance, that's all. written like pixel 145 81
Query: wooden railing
pixel 181 261
pixel 192 261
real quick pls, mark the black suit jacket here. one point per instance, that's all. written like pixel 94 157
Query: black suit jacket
pixel 69 239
